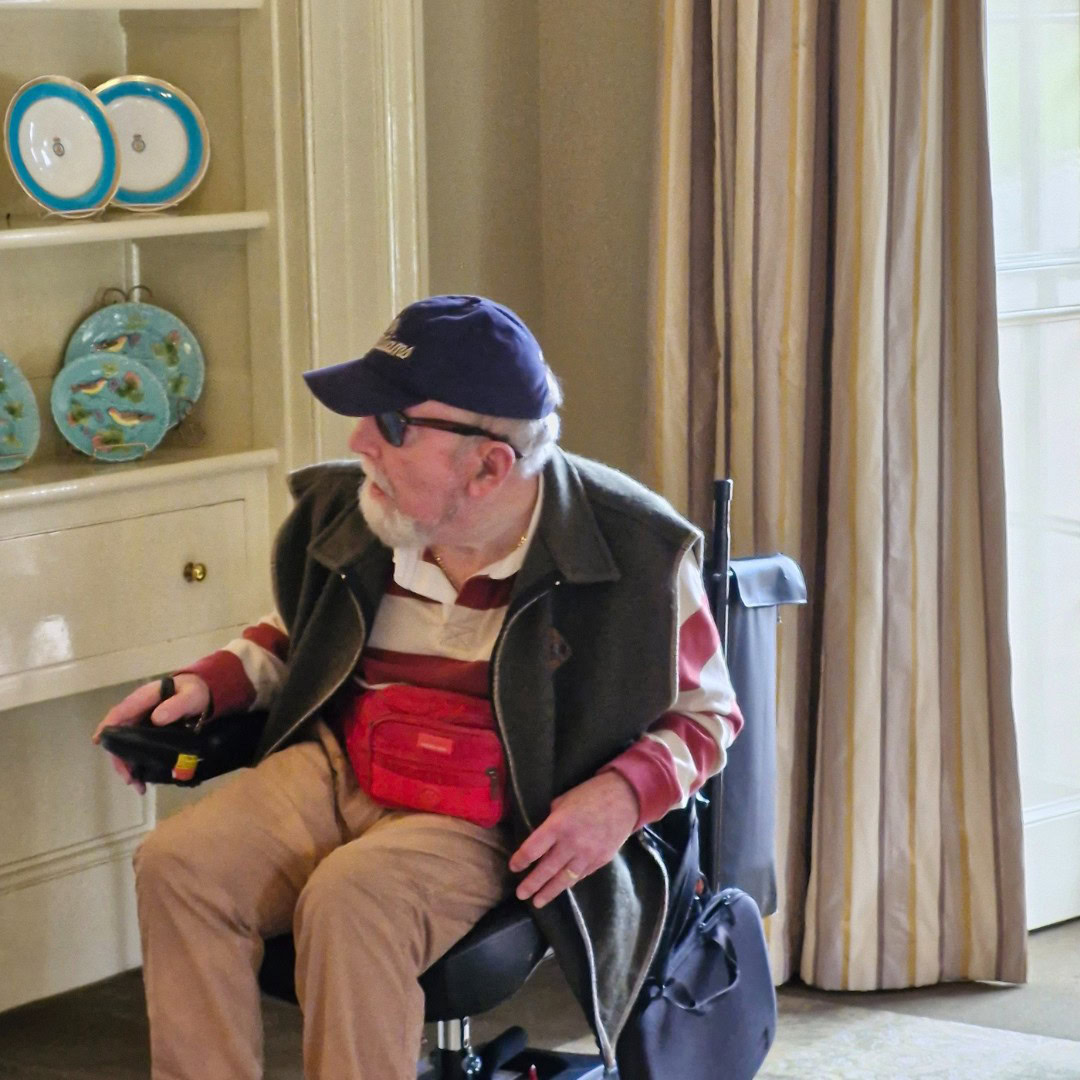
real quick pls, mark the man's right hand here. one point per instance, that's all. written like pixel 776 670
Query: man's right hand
pixel 191 699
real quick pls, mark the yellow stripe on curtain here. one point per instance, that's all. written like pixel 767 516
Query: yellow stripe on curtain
pixel 855 312
pixel 853 377
pixel 925 92
pixel 670 280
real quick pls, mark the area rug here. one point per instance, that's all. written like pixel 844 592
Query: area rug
pixel 819 1041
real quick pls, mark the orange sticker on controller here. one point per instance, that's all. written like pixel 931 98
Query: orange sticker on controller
pixel 185 766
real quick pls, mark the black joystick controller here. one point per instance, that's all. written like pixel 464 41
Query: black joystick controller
pixel 186 752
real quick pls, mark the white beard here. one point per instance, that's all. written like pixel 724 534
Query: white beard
pixel 389 524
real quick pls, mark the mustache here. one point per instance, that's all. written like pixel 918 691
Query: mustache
pixel 373 472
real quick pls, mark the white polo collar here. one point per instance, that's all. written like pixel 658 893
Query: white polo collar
pixel 414 573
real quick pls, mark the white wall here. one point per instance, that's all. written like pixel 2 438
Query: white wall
pixel 541 117
pixel 481 70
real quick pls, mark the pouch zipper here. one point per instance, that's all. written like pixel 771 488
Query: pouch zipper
pixel 430 774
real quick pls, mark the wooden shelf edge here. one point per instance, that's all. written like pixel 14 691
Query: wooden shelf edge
pixel 129 5
pixel 130 227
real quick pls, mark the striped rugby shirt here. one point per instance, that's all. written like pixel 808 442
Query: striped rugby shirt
pixel 427 634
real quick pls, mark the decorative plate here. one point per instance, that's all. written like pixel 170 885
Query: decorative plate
pixel 153 336
pixel 61 146
pixel 112 408
pixel 164 144
pixel 20 425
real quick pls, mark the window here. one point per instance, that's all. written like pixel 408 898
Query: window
pixel 1033 52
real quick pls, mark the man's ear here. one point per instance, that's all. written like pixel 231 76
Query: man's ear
pixel 492 469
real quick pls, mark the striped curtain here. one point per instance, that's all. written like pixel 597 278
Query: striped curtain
pixel 824 315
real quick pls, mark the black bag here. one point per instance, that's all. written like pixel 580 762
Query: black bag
pixel 707 1010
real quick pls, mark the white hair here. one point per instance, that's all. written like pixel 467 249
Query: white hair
pixel 533 439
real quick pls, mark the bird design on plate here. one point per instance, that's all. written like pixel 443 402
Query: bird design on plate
pixel 117 344
pixel 94 386
pixel 129 417
pixel 114 409
pixel 155 338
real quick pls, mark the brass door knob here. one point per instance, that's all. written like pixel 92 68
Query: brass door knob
pixel 195 571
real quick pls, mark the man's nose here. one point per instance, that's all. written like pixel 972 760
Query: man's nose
pixel 365 437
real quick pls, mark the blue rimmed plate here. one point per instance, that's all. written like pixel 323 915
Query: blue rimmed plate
pixel 163 142
pixel 20 425
pixel 153 336
pixel 61 146
pixel 113 408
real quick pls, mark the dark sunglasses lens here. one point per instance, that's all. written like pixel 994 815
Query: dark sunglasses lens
pixel 392 427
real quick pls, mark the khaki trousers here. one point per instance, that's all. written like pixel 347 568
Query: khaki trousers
pixel 373 897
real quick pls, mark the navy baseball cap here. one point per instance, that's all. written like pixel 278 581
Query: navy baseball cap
pixel 465 351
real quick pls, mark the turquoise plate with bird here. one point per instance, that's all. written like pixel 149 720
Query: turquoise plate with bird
pixel 20 425
pixel 153 336
pixel 112 408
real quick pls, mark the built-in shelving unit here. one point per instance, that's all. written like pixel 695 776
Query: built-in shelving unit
pixel 93 555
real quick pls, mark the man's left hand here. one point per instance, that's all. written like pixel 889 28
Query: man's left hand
pixel 586 827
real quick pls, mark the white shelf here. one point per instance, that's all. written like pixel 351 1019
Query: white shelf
pixel 128 5
pixel 125 226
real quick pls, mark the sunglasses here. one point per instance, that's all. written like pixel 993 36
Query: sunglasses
pixel 392 427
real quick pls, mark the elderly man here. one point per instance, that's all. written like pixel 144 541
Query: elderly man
pixel 490 662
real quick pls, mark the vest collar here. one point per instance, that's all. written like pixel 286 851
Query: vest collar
pixel 568 531
pixel 345 540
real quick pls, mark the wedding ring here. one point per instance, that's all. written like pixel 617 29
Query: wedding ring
pixel 570 874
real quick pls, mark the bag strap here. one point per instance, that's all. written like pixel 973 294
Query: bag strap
pixel 675 839
pixel 681 996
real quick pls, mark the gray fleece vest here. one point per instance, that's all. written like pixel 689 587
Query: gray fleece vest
pixel 585 662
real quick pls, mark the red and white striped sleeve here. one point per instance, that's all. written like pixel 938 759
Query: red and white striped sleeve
pixel 247 672
pixel 688 744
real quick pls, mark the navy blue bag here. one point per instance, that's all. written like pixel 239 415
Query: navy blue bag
pixel 707 1010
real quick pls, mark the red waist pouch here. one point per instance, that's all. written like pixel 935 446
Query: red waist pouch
pixel 416 748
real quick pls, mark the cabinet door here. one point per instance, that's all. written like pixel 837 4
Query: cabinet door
pixel 108 587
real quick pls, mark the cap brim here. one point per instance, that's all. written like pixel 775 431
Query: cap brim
pixel 360 387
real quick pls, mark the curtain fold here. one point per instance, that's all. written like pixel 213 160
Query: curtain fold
pixel 825 334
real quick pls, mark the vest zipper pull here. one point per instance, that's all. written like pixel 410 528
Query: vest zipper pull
pixel 493 775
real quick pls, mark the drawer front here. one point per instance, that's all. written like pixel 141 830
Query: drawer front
pixel 104 588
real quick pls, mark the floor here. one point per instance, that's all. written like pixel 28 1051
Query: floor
pixel 1048 1004
pixel 99 1032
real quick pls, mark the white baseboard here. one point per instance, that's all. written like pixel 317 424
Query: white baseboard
pixel 68 930
pixel 1052 863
